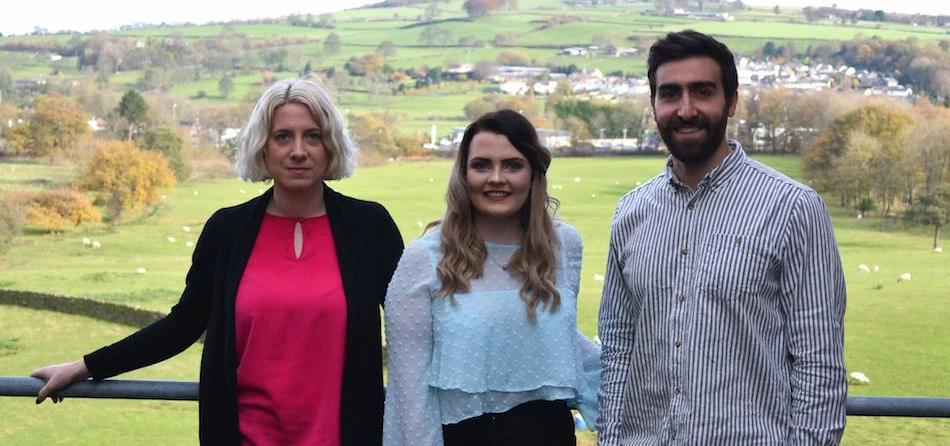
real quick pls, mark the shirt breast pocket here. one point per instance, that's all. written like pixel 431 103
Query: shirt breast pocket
pixel 734 266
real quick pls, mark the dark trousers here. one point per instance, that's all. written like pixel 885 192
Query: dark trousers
pixel 541 423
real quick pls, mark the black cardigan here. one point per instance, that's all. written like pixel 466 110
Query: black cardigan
pixel 368 246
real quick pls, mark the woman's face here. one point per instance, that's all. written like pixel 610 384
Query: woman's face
pixel 294 155
pixel 498 177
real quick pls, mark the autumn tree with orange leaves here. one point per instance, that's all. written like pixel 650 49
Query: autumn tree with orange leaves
pixel 126 176
pixel 56 123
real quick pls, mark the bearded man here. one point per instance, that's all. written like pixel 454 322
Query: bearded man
pixel 724 298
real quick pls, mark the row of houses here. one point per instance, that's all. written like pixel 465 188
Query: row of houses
pixel 513 80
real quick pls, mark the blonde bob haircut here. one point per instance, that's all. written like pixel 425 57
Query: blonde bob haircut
pixel 341 151
pixel 464 251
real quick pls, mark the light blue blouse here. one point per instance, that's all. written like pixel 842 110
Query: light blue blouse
pixel 450 362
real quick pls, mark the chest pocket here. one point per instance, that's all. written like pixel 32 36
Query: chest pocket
pixel 734 266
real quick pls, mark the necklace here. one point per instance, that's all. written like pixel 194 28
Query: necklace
pixel 503 266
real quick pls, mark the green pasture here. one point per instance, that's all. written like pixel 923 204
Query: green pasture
pixel 32 338
pixel 777 31
pixel 243 84
pixel 895 332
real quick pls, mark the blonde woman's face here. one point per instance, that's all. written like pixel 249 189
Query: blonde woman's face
pixel 294 155
pixel 498 178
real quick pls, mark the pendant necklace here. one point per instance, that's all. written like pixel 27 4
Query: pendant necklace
pixel 503 266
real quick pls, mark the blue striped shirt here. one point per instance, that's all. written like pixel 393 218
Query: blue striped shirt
pixel 722 313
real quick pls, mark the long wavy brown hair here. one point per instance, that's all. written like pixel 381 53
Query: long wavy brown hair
pixel 464 250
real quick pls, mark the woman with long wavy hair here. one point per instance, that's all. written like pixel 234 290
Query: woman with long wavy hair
pixel 481 315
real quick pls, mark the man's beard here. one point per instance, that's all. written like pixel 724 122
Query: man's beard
pixel 694 152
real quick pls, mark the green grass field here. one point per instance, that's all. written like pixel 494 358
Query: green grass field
pixel 895 332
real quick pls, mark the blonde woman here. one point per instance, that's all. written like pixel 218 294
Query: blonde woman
pixel 287 288
pixel 481 319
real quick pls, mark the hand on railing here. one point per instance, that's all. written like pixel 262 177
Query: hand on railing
pixel 59 377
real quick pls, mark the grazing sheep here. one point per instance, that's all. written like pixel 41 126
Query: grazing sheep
pixel 858 378
pixel 904 277
pixel 189 244
pixel 863 268
pixel 86 241
pixel 171 239
pixel 96 244
pixel 876 269
pixel 186 228
pixel 938 250
pixel 140 271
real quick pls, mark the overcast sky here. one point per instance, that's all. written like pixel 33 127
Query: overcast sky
pixel 83 16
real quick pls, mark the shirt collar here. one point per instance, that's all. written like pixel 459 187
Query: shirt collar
pixel 716 177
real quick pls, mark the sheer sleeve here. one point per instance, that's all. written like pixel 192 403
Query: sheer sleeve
pixel 412 415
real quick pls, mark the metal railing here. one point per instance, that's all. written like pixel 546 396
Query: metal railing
pixel 876 406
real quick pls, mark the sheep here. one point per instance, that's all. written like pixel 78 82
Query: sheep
pixel 904 277
pixel 938 250
pixel 186 228
pixel 876 269
pixel 96 244
pixel 863 268
pixel 858 378
pixel 140 271
pixel 171 239
pixel 189 244
pixel 86 241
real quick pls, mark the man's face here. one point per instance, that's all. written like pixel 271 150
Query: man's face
pixel 691 109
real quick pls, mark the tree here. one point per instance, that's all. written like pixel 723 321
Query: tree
pixel 432 12
pixel 165 141
pixel 367 64
pixel 225 86
pixel 513 57
pixel 387 49
pixel 133 108
pixel 12 220
pixel 932 209
pixel 371 133
pixel 127 176
pixel 477 9
pixel 476 108
pixel 332 44
pixel 53 210
pixel 57 122
pixel 853 168
pixel 880 122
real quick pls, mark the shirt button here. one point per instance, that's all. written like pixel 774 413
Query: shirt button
pixel 673 436
pixel 681 297
pixel 676 391
pixel 690 206
pixel 684 251
pixel 677 343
